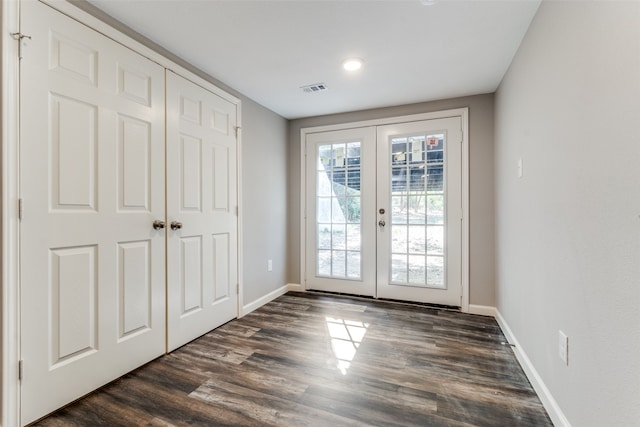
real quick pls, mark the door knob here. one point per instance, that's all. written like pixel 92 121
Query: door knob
pixel 381 223
pixel 175 225
pixel 158 224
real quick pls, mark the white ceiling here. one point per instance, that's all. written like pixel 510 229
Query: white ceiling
pixel 268 49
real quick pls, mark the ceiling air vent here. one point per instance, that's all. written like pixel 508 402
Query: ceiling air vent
pixel 318 87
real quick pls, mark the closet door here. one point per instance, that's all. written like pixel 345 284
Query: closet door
pixel 201 211
pixel 92 183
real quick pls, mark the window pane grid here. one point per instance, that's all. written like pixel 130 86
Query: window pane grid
pixel 338 213
pixel 417 210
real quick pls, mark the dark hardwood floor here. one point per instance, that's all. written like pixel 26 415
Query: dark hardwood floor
pixel 318 360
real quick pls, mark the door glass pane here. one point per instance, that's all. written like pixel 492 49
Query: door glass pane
pixel 338 263
pixel 338 216
pixel 417 271
pixel 435 240
pixel 338 236
pixel 398 268
pixel 435 209
pixel 353 264
pixel 323 209
pixel 353 210
pixel 416 238
pixel 324 263
pixel 353 237
pixel 399 239
pixel 324 236
pixel 417 210
pixel 398 210
pixel 435 271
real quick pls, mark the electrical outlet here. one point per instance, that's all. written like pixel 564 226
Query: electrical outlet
pixel 270 265
pixel 563 347
pixel 520 171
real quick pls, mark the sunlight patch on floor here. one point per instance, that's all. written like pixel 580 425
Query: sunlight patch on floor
pixel 346 336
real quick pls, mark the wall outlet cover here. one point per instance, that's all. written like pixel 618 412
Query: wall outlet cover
pixel 563 347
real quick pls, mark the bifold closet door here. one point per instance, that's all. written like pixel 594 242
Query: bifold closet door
pixel 92 285
pixel 201 211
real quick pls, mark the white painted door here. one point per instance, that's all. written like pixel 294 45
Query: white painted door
pixel 201 211
pixel 383 211
pixel 419 190
pixel 340 211
pixel 92 282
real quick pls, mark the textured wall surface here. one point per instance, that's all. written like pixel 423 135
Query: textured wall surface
pixel 568 231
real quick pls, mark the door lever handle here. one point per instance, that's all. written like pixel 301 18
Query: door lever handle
pixel 175 225
pixel 158 224
pixel 381 223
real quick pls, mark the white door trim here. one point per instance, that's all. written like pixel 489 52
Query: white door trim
pixel 463 113
pixel 10 230
pixel 10 23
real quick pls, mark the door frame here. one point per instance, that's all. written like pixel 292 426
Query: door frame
pixel 463 114
pixel 10 187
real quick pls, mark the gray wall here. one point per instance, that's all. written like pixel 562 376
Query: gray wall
pixel 264 200
pixel 481 184
pixel 568 231
pixel 263 164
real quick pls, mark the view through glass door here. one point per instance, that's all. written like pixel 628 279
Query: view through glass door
pixel 383 211
pixel 419 188
pixel 340 210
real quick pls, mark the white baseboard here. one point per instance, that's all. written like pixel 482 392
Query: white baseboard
pixel 295 287
pixel 248 308
pixel 482 310
pixel 549 403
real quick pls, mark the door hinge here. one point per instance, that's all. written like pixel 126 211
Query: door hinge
pixel 238 128
pixel 237 211
pixel 19 370
pixel 19 36
pixel 237 288
pixel 20 209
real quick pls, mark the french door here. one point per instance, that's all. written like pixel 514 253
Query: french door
pixel 384 211
pixel 340 205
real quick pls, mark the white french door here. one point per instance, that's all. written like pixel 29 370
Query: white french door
pixel 420 232
pixel 341 211
pixel 384 211
pixel 92 269
pixel 201 211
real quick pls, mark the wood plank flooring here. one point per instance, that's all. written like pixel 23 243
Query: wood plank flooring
pixel 317 360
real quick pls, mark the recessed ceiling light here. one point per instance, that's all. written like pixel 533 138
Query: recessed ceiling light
pixel 428 2
pixel 352 64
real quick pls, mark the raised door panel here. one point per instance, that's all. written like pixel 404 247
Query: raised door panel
pixel 74 140
pixel 134 164
pixel 221 267
pixel 134 289
pixel 73 304
pixel 190 274
pixel 190 174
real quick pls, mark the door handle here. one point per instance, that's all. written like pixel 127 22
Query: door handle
pixel 158 224
pixel 175 225
pixel 381 223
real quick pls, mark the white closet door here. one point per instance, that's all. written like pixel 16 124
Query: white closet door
pixel 201 208
pixel 92 269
